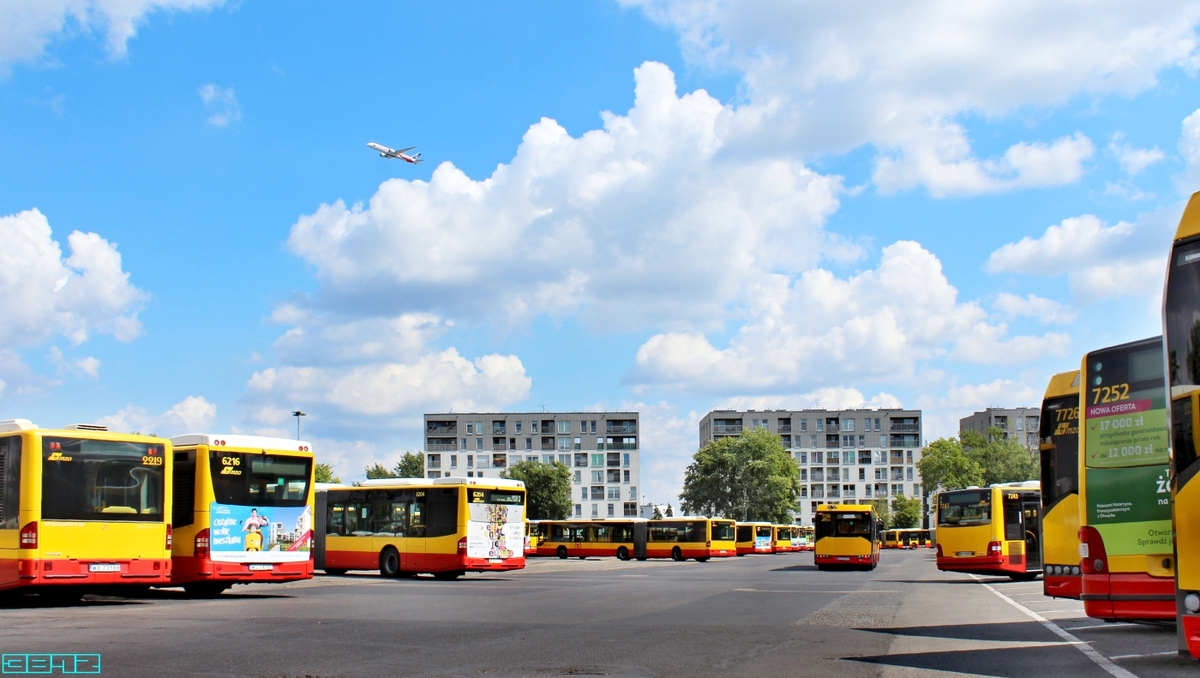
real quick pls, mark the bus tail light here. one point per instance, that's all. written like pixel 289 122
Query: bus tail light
pixel 29 536
pixel 202 550
pixel 462 545
pixel 1094 558
pixel 994 548
pixel 168 537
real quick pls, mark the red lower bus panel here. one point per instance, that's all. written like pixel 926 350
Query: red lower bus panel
pixel 1062 586
pixel 189 569
pixel 845 560
pixel 138 571
pixel 1191 633
pixel 1128 596
pixel 998 565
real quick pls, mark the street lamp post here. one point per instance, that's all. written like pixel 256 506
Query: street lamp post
pixel 297 414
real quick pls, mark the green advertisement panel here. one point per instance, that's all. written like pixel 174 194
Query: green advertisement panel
pixel 1128 433
pixel 1131 509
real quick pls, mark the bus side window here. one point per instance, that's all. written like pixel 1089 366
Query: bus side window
pixel 10 482
pixel 336 523
pixel 184 487
pixel 416 515
pixel 441 512
pixel 1014 525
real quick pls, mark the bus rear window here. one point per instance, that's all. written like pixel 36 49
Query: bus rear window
pixel 259 479
pixel 722 531
pixel 102 480
pixel 958 509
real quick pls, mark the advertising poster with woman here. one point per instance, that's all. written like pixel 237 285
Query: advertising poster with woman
pixel 273 534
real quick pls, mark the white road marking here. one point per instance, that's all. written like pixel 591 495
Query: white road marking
pixel 1087 650
pixel 1101 626
pixel 1148 654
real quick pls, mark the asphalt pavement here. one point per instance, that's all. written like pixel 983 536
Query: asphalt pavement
pixel 752 616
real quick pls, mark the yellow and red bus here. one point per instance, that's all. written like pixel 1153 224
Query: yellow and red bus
pixel 806 537
pixel 531 538
pixel 781 539
pixel 82 509
pixel 1181 309
pixel 754 537
pixel 847 536
pixel 990 530
pixel 1124 494
pixel 404 527
pixel 596 538
pixel 1059 451
pixel 242 511
pixel 690 537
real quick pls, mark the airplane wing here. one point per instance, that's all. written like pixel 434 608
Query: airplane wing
pixel 404 150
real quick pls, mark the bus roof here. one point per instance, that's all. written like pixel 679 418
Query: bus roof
pixel 846 507
pixel 408 482
pixel 1063 384
pixel 1189 223
pixel 243 441
pixel 1023 485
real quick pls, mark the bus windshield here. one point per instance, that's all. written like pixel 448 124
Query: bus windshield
pixel 956 509
pixel 844 525
pixel 242 479
pixel 1060 447
pixel 102 480
pixel 722 531
pixel 762 531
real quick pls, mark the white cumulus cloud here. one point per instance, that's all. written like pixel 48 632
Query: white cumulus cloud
pixel 223 103
pixel 193 414
pixel 1033 306
pixel 26 26
pixel 1133 160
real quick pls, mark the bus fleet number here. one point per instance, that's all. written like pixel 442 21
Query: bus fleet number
pixel 1110 394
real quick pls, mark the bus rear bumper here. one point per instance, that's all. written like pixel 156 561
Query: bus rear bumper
pixel 1128 595
pixel 844 560
pixel 491 564
pixel 1191 633
pixel 1061 586
pixel 188 569
pixel 108 572
pixel 997 565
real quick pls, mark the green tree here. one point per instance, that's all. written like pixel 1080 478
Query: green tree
pixel 1002 459
pixel 883 511
pixel 410 466
pixel 671 511
pixel 547 489
pixel 324 474
pixel 379 471
pixel 906 512
pixel 944 464
pixel 657 514
pixel 750 477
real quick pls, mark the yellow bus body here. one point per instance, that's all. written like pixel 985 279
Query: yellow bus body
pixel 781 538
pixel 92 549
pixel 986 547
pixel 847 535
pixel 197 564
pixel 754 537
pixel 1061 576
pixel 604 538
pixel 700 545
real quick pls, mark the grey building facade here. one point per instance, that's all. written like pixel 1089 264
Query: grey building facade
pixel 600 448
pixel 1017 423
pixel 845 456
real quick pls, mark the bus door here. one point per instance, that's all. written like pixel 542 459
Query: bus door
pixel 1031 509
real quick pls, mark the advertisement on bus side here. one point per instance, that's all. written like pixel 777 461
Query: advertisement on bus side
pixel 272 534
pixel 495 531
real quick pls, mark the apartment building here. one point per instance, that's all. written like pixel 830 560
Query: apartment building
pixel 600 448
pixel 845 456
pixel 1018 423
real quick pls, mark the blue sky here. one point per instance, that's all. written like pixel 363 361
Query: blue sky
pixel 661 205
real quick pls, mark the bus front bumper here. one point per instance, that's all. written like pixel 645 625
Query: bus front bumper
pixel 124 572
pixel 844 560
pixel 1128 595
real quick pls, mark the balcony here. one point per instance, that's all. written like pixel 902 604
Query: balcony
pixel 617 446
pixel 727 429
pixel 785 428
pixel 440 447
pixel 441 428
pixel 905 428
pixel 616 427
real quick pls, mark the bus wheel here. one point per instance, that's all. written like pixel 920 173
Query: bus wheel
pixel 677 555
pixel 389 562
pixel 562 552
pixel 448 576
pixel 335 571
pixel 622 553
pixel 204 589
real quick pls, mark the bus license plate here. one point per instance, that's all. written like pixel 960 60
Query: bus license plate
pixel 965 554
pixel 496 561
pixel 843 557
pixel 261 566
pixel 104 567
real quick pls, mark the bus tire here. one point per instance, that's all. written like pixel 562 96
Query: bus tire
pixel 622 553
pixel 677 555
pixel 561 552
pixel 448 576
pixel 389 562
pixel 204 589
pixel 335 571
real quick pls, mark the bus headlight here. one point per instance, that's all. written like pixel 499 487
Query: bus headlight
pixel 1191 602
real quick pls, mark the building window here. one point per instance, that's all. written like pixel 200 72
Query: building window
pixel 812 441
pixel 470 428
pixel 597 460
pixel 454 462
pixel 614 459
pixel 433 474
pixel 897 473
pixel 818 458
pixel 597 476
pixel 614 494
pixel 584 493
pixel 499 460
pixel 498 428
pixel 818 491
pixel 564 444
pixel 862 440
pixel 803 424
pixel 481 461
pixel 578 508
pixel 802 457
pixel 625 477
pixel 463 444
pixel 633 492
pixel 614 475
pixel 848 458
pixel 883 441
pixel 847 425
pixel 880 474
pixel 881 457
pixel 578 477
pixel 820 426
pixel 848 491
pixel 533 428
pixel 818 475
pixel 434 460
pixel 916 490
pixel 877 426
pixel 529 443
pixel 908 456
pixel 517 426
pixel 593 423
pixel 867 491
pixel 833 492
pixel 595 510
pixel 862 473
pixel 804 475
pixel 470 461
pixel 831 457
pixel 610 511
pixel 898 490
pixel 565 460
pixel 803 491
pixel 864 457
pixel 479 443
pixel 630 509
pixel 564 427
pixel 908 475
pixel 581 460
pixel 579 443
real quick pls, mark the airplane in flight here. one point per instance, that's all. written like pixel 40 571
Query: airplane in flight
pixel 385 152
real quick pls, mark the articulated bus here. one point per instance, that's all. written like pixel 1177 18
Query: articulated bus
pixel 402 527
pixel 847 536
pixel 990 530
pixel 1181 328
pixel 781 539
pixel 242 511
pixel 1125 517
pixel 905 538
pixel 82 509
pixel 1059 450
pixel 598 538
pixel 754 537
pixel 690 537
